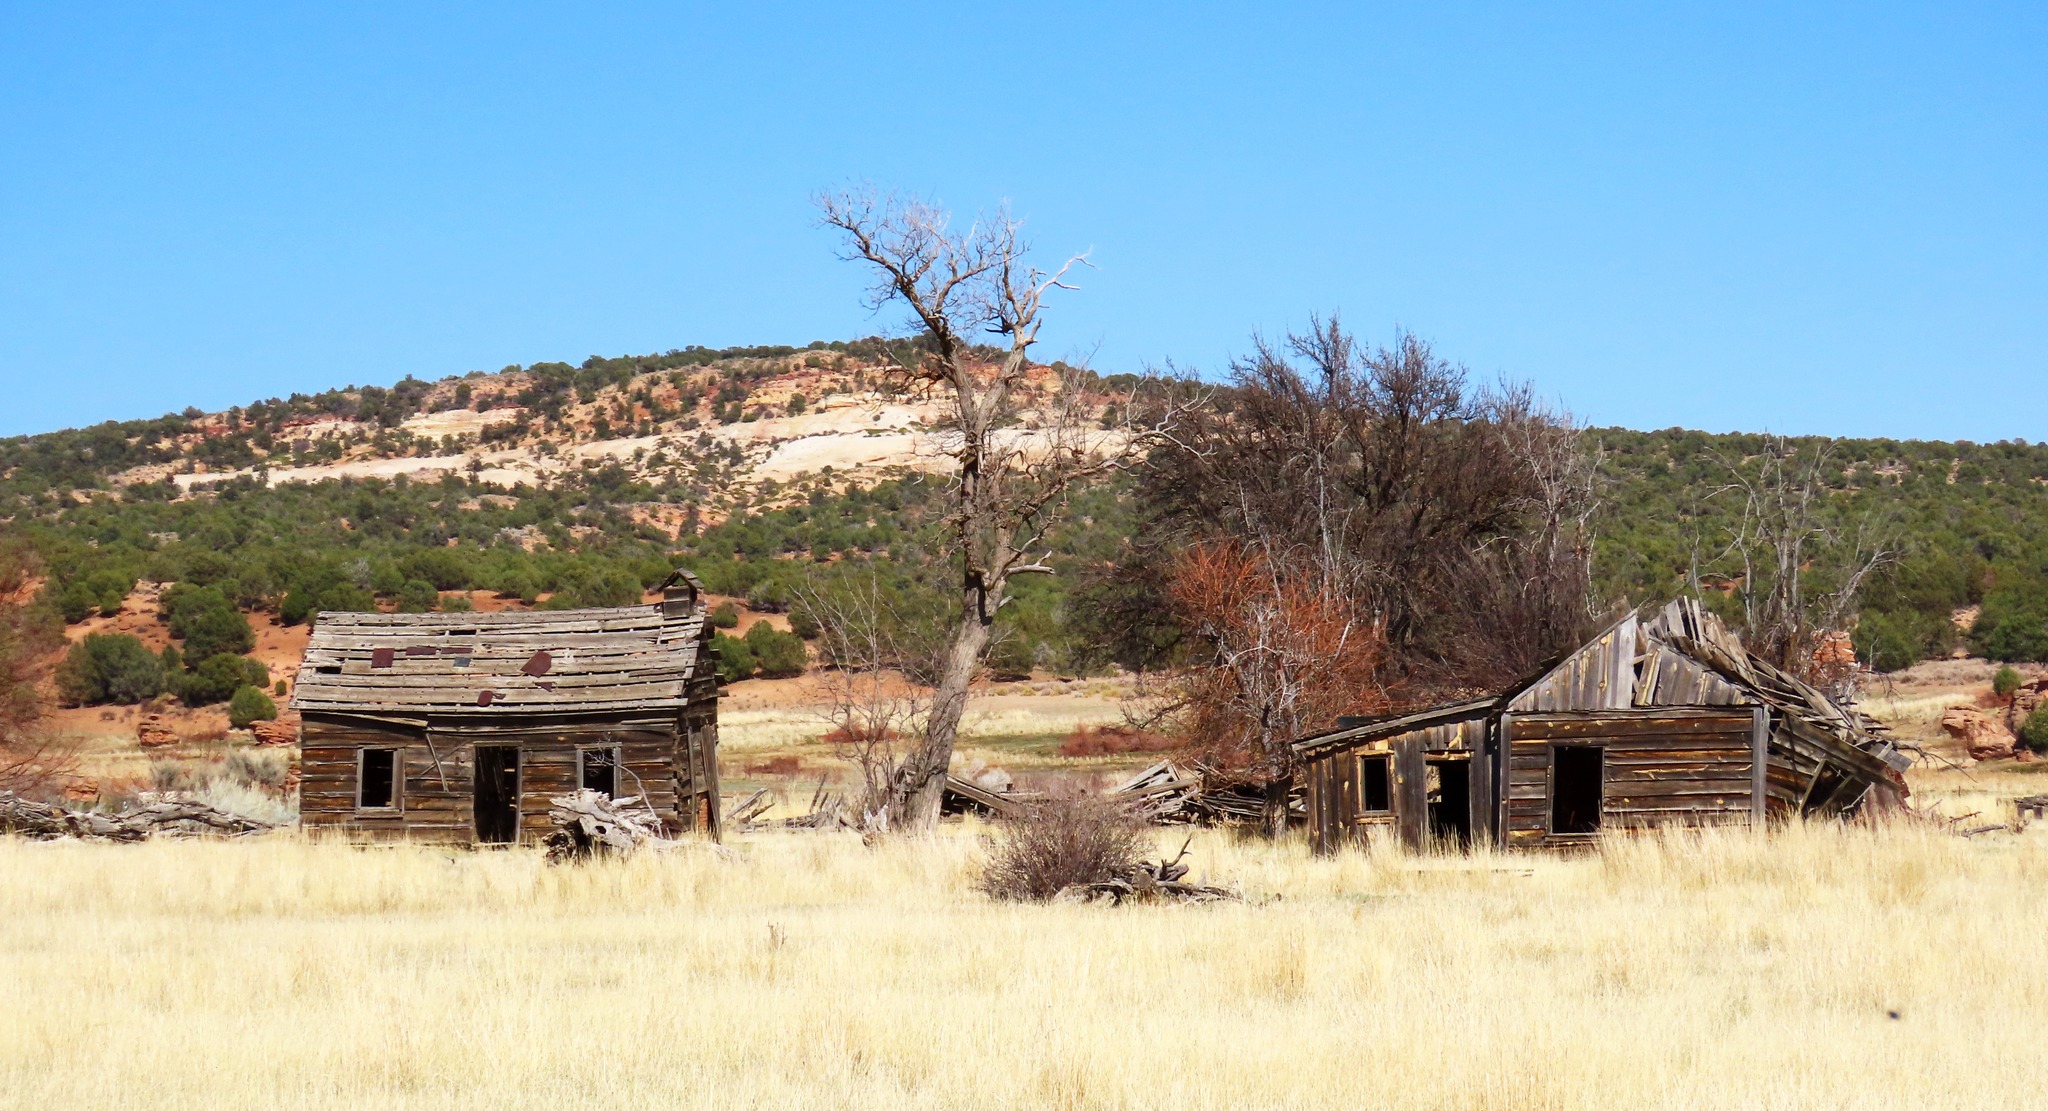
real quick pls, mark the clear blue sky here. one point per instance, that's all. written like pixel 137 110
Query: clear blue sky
pixel 1823 220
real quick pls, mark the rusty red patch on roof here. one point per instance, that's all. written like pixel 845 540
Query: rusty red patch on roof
pixel 537 664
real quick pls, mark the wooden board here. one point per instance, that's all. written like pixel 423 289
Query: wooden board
pixel 493 665
pixel 1660 767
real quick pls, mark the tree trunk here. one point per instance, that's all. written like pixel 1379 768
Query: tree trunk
pixel 921 781
pixel 1273 819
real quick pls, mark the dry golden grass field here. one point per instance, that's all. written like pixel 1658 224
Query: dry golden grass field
pixel 1821 966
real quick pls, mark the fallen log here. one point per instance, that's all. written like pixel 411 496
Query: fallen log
pixel 593 824
pixel 158 815
pixel 590 823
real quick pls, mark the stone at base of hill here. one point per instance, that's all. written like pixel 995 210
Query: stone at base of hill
pixel 154 732
pixel 82 790
pixel 2024 701
pixel 275 733
pixel 1986 737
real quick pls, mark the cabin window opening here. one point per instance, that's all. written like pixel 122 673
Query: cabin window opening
pixel 598 770
pixel 377 779
pixel 1375 784
pixel 1577 773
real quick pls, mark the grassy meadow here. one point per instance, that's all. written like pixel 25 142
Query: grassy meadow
pixel 1821 966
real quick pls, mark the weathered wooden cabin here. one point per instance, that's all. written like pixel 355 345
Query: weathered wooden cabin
pixel 461 726
pixel 1669 721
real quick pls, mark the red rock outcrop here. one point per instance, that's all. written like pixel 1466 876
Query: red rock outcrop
pixel 1986 737
pixel 275 733
pixel 154 732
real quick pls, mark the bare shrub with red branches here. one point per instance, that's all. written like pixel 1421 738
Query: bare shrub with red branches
pixel 1285 650
pixel 1115 740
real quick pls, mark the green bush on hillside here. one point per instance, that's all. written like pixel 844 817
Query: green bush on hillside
pixel 250 704
pixel 109 667
pixel 208 623
pixel 1890 641
pixel 2013 626
pixel 100 592
pixel 777 655
pixel 217 677
pixel 446 568
pixel 735 658
pixel 2034 730
pixel 2005 680
pixel 346 598
pixel 417 596
pixel 588 586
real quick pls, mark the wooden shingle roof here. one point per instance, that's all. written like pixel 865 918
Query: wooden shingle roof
pixel 552 662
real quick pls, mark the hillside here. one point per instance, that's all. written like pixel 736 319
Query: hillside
pixel 763 468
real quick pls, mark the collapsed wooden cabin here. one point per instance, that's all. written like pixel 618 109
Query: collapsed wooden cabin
pixel 461 726
pixel 1669 721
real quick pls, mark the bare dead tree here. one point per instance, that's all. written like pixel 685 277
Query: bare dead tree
pixel 868 694
pixel 1008 481
pixel 1799 574
pixel 1530 588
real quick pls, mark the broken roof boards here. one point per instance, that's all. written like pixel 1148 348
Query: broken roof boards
pixel 461 726
pixel 1651 723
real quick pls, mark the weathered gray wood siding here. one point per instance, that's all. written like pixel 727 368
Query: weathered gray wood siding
pixel 1336 800
pixel 437 798
pixel 1661 767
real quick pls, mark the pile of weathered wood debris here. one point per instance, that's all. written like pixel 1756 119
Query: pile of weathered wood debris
pixel 154 815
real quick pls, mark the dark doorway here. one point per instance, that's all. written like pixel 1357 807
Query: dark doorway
pixel 497 793
pixel 1450 801
pixel 1576 774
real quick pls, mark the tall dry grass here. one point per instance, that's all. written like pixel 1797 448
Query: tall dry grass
pixel 1732 970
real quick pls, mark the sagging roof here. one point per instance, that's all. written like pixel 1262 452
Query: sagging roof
pixel 1366 732
pixel 1683 656
pixel 495 664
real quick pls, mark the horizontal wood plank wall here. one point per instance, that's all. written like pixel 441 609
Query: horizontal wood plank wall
pixel 327 778
pixel 1662 767
pixel 437 791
